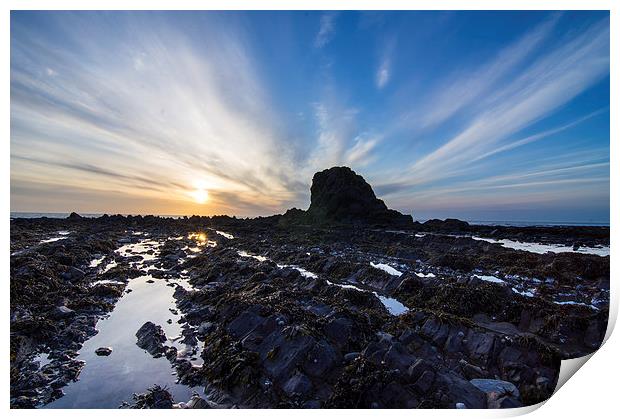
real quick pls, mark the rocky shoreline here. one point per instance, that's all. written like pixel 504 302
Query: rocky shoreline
pixel 303 316
pixel 282 312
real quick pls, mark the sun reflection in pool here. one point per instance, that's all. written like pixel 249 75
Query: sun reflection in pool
pixel 201 239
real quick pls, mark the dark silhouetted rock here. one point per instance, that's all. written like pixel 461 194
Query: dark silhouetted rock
pixel 74 216
pixel 447 225
pixel 340 195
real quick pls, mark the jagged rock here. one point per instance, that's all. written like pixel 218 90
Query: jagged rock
pixel 265 326
pixel 320 359
pixel 244 323
pixel 298 384
pixel 156 397
pixel 151 338
pixel 418 368
pixel 398 357
pixel 459 390
pixel 73 274
pixel 424 383
pixel 339 330
pixel 495 386
pixel 62 312
pixel 197 402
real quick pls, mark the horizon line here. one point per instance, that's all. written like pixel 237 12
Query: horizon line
pixel 420 220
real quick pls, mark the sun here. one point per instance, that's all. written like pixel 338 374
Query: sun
pixel 200 195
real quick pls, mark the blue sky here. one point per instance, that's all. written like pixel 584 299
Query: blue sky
pixel 475 115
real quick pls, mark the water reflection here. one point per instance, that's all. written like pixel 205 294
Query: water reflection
pixel 201 239
pixel 105 382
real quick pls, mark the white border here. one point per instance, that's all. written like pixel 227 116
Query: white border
pixel 592 393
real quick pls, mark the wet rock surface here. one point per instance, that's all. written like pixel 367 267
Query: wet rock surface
pixel 297 316
pixel 103 351
pixel 151 338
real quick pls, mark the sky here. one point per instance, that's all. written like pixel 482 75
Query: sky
pixel 474 115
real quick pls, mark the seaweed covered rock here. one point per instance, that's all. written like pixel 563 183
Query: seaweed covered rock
pixel 156 397
pixel 151 338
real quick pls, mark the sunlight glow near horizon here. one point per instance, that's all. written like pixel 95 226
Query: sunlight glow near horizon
pixel 121 112
pixel 200 196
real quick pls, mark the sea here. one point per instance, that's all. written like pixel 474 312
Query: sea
pixel 66 214
pixel 508 223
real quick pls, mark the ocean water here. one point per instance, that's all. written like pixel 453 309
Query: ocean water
pixel 66 214
pixel 48 215
pixel 537 223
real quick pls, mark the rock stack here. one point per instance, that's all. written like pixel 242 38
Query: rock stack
pixel 341 196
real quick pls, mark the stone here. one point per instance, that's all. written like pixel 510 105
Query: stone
pixel 298 384
pixel 204 329
pixel 103 351
pixel 151 338
pixel 339 330
pixel 495 386
pixel 480 345
pixel 397 357
pixel 447 225
pixel 424 383
pixel 418 368
pixel 62 312
pixel 244 324
pixel 312 404
pixel 73 274
pixel 197 402
pixel 339 195
pixel 457 389
pixel 321 359
pixel 471 371
pixel 74 216
pixel 351 356
pixel 497 401
pixel 282 354
pixel 375 351
pixel 398 396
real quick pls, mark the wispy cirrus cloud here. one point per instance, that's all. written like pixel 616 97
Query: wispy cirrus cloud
pixel 463 88
pixel 361 153
pixel 384 71
pixel 542 181
pixel 548 83
pixel 336 126
pixel 539 136
pixel 327 27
